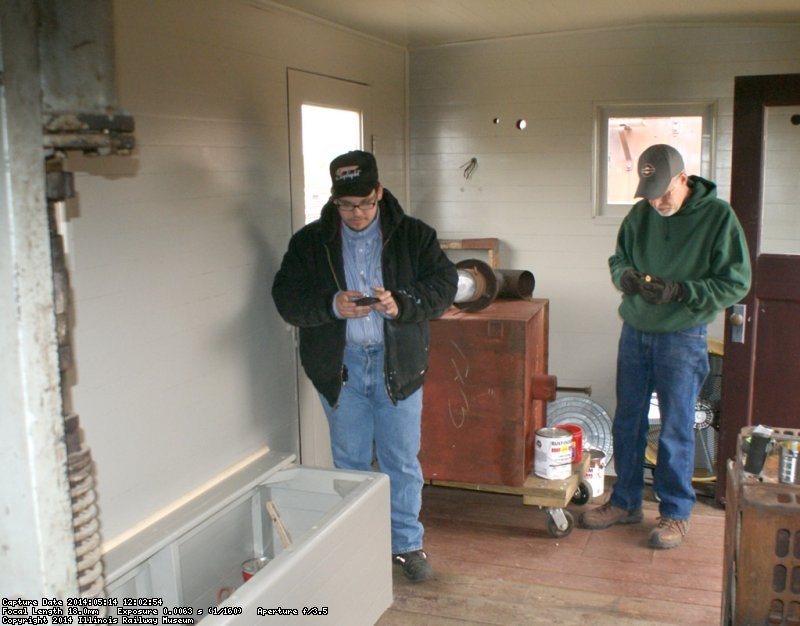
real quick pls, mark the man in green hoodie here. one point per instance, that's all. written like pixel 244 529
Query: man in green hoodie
pixel 681 258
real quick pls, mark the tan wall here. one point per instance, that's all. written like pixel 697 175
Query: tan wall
pixel 184 367
pixel 533 188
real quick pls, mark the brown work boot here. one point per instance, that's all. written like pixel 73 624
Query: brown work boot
pixel 607 515
pixel 669 533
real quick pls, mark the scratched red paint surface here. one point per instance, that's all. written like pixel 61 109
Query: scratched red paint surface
pixel 480 410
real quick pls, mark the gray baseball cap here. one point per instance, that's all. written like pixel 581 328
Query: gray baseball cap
pixel 658 165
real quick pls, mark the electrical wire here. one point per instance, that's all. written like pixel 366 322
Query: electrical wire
pixel 469 167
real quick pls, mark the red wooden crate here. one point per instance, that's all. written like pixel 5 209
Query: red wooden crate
pixel 485 393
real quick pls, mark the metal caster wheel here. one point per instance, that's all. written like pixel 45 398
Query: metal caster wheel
pixel 582 494
pixel 559 523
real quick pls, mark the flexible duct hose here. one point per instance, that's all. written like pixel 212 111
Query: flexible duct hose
pixel 80 467
pixel 85 523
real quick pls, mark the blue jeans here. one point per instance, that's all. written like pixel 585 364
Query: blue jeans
pixel 674 365
pixel 366 425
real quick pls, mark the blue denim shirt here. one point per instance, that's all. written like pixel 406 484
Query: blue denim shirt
pixel 362 268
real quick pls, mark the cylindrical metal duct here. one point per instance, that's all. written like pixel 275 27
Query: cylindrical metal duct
pixel 479 285
pixel 516 284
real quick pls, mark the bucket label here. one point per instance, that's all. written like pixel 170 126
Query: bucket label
pixel 553 453
pixel 595 472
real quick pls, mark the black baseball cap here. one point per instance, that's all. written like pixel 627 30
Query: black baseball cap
pixel 658 165
pixel 354 173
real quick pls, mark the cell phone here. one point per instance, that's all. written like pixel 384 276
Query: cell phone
pixel 366 301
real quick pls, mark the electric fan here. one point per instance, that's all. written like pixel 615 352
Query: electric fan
pixel 706 422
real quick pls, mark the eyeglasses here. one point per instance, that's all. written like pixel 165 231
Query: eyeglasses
pixel 349 207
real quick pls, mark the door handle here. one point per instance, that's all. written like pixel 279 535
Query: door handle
pixel 737 319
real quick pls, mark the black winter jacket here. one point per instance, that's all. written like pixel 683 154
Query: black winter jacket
pixel 421 278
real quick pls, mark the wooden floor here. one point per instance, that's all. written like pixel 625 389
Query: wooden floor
pixel 495 563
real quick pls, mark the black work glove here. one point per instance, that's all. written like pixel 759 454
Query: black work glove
pixel 630 282
pixel 659 291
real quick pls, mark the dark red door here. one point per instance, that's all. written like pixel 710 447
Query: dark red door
pixel 761 373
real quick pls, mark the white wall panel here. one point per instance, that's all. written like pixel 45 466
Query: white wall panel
pixel 533 188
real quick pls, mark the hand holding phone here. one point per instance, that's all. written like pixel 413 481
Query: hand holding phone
pixel 365 301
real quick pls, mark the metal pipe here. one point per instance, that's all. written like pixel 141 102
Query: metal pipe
pixel 479 285
pixel 515 284
pixel 584 390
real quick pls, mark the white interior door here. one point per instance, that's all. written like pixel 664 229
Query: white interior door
pixel 314 140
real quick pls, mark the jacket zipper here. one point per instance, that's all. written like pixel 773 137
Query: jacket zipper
pixel 385 353
pixel 343 370
pixel 333 269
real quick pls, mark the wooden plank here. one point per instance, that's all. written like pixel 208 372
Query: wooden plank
pixel 486 243
pixel 544 492
pixel 494 563
pixel 535 491
pixel 490 244
pixel 468 598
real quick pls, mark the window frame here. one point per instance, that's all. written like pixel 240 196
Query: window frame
pixel 602 210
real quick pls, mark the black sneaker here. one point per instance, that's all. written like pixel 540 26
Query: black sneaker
pixel 416 565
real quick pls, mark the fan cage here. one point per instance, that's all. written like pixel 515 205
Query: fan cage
pixel 707 416
pixel 592 418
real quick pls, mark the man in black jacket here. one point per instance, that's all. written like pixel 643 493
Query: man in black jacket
pixel 361 283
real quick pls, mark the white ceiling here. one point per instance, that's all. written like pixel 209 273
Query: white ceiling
pixel 424 23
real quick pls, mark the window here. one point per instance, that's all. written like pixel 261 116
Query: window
pixel 327 132
pixel 624 131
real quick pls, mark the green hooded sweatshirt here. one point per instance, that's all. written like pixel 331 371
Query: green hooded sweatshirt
pixel 701 246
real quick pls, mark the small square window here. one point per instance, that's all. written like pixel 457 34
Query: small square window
pixel 624 131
